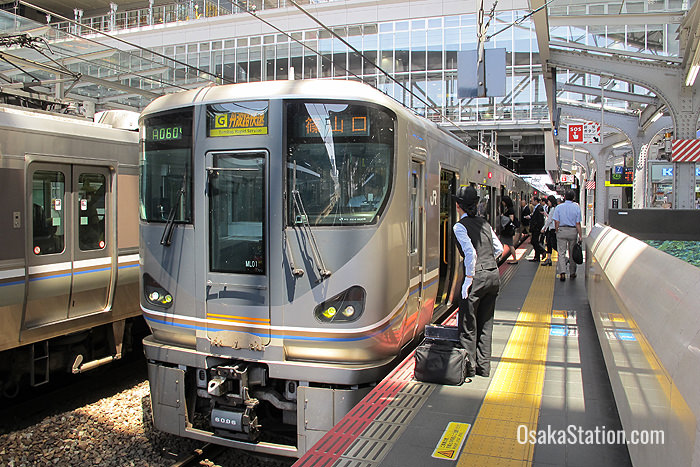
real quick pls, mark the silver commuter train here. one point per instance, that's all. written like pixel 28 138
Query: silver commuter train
pixel 68 263
pixel 295 237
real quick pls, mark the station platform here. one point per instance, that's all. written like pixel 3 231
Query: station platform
pixel 548 400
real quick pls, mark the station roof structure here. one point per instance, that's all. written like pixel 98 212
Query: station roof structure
pixel 57 66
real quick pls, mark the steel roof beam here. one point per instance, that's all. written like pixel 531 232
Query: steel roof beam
pixel 619 95
pixel 616 53
pixel 615 20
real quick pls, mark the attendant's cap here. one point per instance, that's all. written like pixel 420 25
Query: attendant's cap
pixel 466 195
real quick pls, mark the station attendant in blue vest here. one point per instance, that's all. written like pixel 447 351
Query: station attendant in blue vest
pixel 480 247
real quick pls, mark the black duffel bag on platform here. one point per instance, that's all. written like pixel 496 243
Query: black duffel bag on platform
pixel 441 362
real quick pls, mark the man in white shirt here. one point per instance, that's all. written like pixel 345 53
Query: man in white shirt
pixel 567 222
pixel 479 245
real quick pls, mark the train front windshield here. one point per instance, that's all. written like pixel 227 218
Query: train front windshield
pixel 339 162
pixel 166 166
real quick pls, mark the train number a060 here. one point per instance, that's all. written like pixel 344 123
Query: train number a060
pixel 167 133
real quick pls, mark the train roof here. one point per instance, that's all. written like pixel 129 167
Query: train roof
pixel 284 89
pixel 30 120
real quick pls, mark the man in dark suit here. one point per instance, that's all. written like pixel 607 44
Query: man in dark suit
pixel 536 224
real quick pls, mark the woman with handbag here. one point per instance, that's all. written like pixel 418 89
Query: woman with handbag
pixel 548 231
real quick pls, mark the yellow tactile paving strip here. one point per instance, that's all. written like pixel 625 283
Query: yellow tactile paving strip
pixel 515 393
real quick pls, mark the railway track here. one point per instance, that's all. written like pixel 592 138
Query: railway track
pixel 205 455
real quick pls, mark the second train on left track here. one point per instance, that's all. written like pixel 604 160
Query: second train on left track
pixel 295 237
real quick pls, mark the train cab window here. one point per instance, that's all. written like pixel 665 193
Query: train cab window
pixel 339 162
pixel 48 196
pixel 91 209
pixel 166 167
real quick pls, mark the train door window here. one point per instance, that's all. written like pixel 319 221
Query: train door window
pixel 483 208
pixel 48 226
pixel 237 214
pixel 91 209
pixel 413 215
pixel 448 216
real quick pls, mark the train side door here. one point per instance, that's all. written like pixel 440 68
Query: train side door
pixel 415 247
pixel 237 287
pixel 50 257
pixel 448 217
pixel 92 224
pixel 70 261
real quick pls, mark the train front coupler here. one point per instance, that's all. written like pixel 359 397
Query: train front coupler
pixel 232 408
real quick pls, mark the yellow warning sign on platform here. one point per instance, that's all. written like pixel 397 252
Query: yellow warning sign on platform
pixel 451 442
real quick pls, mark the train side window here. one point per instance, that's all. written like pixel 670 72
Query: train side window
pixel 91 208
pixel 48 195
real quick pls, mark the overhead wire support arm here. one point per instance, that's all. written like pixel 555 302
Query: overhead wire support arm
pixel 518 21
pixel 115 38
pixel 9 58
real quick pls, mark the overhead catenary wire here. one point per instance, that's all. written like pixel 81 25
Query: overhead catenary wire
pixel 115 38
pixel 216 76
pixel 25 40
pixel 364 57
pixel 253 13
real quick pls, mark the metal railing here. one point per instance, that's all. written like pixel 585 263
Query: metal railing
pixel 172 13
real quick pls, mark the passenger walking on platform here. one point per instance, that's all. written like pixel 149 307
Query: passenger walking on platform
pixel 525 215
pixel 480 248
pixel 508 228
pixel 548 232
pixel 536 223
pixel 567 224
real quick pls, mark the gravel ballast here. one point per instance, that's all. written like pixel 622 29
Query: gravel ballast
pixel 113 431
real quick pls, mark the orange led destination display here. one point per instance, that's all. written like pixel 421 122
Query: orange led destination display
pixel 242 119
pixel 339 125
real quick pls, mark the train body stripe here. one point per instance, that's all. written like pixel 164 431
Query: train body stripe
pixel 59 270
pixel 8 282
pixel 238 318
pixel 129 258
pixel 286 332
pixel 283 334
pixel 47 268
pixel 11 273
pixel 87 263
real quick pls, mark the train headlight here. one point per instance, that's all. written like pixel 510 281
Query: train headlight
pixel 155 293
pixel 344 307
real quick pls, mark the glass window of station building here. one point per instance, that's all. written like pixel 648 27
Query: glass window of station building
pixel 420 53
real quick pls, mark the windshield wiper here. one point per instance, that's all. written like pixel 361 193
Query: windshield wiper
pixel 166 238
pixel 301 218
